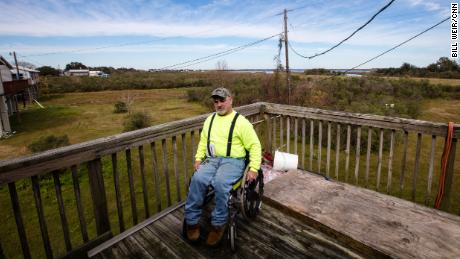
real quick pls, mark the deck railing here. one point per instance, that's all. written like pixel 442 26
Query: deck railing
pixel 129 177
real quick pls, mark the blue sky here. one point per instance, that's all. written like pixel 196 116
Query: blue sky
pixel 154 34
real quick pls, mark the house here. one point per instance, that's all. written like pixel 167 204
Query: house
pixel 17 84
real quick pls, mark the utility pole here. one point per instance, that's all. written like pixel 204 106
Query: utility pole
pixel 288 73
pixel 17 67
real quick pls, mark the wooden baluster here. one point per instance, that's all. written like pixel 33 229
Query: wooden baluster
pixel 132 192
pixel 296 125
pixel 430 171
pixel 379 163
pixel 358 153
pixel 312 129
pixel 98 196
pixel 2 255
pixel 156 177
pixel 403 163
pixel 337 153
pixel 192 136
pixel 303 143
pixel 368 155
pixel 445 203
pixel 320 142
pixel 347 152
pixel 166 170
pixel 268 133
pixel 18 219
pixel 41 217
pixel 116 180
pixel 65 225
pixel 328 153
pixel 390 161
pixel 81 215
pixel 417 165
pixel 281 134
pixel 144 182
pixel 184 161
pixel 288 134
pixel 176 169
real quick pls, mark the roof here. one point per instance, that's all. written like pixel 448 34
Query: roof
pixel 3 61
pixel 78 70
pixel 22 68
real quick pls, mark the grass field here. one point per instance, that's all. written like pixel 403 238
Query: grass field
pixel 87 116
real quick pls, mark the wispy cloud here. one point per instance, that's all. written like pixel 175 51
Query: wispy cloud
pixel 314 25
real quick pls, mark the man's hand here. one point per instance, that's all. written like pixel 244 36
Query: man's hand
pixel 197 165
pixel 251 175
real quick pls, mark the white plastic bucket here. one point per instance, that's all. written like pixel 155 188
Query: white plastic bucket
pixel 285 161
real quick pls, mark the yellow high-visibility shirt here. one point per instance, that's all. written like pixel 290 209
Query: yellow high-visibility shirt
pixel 244 138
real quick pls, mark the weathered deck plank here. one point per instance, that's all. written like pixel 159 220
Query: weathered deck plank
pixel 272 235
pixel 376 224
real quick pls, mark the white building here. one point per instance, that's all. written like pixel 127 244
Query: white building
pixel 77 72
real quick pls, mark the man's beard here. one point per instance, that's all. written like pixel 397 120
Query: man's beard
pixel 221 111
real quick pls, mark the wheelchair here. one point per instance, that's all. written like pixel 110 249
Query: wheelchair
pixel 245 198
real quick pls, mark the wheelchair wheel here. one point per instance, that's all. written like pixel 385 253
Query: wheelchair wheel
pixel 251 196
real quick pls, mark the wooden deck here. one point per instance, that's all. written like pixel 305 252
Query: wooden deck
pixel 272 235
pixel 305 216
pixel 376 224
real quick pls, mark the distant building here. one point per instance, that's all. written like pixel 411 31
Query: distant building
pixel 14 89
pixel 98 74
pixel 77 72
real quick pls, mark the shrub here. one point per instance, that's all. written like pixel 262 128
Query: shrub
pixel 120 107
pixel 48 142
pixel 136 121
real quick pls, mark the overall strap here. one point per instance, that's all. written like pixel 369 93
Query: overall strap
pixel 230 134
pixel 209 134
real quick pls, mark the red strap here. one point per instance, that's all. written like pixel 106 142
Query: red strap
pixel 444 159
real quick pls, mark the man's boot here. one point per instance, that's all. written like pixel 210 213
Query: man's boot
pixel 193 232
pixel 215 235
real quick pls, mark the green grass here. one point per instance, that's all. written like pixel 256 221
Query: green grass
pixel 87 116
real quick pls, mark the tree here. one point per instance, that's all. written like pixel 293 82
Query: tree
pixel 75 65
pixel 221 65
pixel 48 71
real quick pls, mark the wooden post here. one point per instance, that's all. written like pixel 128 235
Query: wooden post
pixel 2 256
pixel 81 217
pixel 116 180
pixel 445 203
pixel 41 217
pixel 268 135
pixel 19 222
pixel 96 184
pixel 4 119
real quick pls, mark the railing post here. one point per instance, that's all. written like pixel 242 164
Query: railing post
pixel 445 203
pixel 268 130
pixel 96 184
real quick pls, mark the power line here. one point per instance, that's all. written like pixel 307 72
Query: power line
pixel 134 43
pixel 400 44
pixel 347 38
pixel 218 54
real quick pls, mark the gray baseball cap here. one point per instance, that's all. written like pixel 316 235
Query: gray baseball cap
pixel 221 92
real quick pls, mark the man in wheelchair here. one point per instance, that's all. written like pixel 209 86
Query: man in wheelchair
pixel 220 161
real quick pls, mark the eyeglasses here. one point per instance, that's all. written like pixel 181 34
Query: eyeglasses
pixel 219 100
